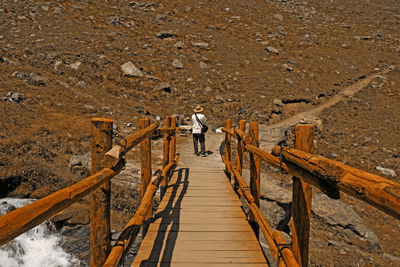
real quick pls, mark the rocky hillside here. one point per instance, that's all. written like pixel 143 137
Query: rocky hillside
pixel 64 62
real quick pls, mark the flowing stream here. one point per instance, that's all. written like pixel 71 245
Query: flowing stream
pixel 37 247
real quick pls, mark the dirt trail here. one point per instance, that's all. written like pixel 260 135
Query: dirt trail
pixel 270 135
pixel 213 160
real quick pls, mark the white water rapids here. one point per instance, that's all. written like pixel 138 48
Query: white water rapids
pixel 37 247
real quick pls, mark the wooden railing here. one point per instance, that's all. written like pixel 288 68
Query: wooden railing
pixel 107 162
pixel 308 170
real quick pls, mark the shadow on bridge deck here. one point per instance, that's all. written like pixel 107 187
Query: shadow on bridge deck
pixel 200 222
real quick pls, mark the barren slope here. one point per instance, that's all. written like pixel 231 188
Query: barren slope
pixel 255 60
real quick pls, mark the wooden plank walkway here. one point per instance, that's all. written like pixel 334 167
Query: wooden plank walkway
pixel 200 223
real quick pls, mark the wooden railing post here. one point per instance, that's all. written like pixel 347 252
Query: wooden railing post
pixel 239 153
pixel 301 202
pixel 164 182
pixel 254 174
pixel 100 229
pixel 173 139
pixel 228 142
pixel 166 141
pixel 145 165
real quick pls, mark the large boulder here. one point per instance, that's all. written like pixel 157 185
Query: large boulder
pixel 337 214
pixel 81 164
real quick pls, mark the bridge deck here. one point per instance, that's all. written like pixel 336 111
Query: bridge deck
pixel 200 223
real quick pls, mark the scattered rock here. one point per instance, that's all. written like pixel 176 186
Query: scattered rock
pixel 76 160
pixel 272 50
pixel 80 164
pixel 386 171
pixel 180 45
pixel 130 70
pixel 278 17
pixel 89 108
pixel 82 84
pixel 165 34
pixel 378 35
pixel 289 81
pixel 287 67
pixel 333 243
pixel 358 38
pixel 177 64
pixel 391 258
pixel 203 65
pixel 142 110
pixel 16 97
pixel 75 65
pixel 38 79
pixel 20 75
pixel 57 64
pixel 166 87
pixel 115 20
pixel 6 207
pixel 200 44
pixel 57 10
pixel 277 102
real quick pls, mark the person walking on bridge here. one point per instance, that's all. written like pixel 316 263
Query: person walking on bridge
pixel 198 130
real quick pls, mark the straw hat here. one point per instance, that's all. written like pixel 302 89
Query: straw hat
pixel 198 109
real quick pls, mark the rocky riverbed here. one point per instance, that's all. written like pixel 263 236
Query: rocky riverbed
pixel 331 63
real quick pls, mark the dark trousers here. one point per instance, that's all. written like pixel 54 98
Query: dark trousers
pixel 202 139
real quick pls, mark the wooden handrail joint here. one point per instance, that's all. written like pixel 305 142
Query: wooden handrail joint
pixel 379 192
pixel 117 152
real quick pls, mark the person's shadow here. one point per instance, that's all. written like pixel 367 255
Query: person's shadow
pixel 209 152
pixel 170 217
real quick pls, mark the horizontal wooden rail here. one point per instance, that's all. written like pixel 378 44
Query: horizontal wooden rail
pixel 132 229
pixel 381 193
pixel 171 130
pixel 274 239
pixel 228 131
pixel 27 217
pixel 113 156
pixel 295 171
pixel 289 168
pixel 329 176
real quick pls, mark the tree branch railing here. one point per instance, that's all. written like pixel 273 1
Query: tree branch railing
pixel 279 250
pixel 27 217
pixel 107 162
pixel 132 229
pixel 329 176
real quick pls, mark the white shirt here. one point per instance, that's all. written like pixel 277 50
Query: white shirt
pixel 196 129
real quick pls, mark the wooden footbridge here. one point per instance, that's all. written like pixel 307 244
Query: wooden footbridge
pixel 201 220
